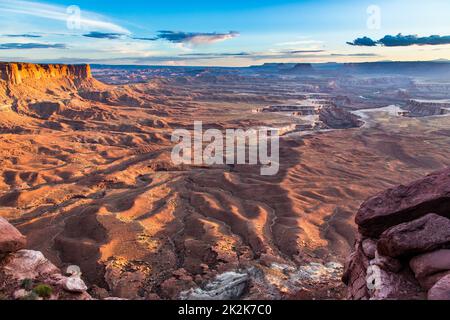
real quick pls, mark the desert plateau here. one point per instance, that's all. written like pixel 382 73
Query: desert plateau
pixel 207 159
pixel 86 173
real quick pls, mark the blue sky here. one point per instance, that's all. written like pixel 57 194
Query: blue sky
pixel 228 33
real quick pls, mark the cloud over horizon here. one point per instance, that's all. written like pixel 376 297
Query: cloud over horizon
pixel 192 38
pixel 27 46
pixel 115 36
pixel 249 56
pixel 364 41
pixel 104 35
pixel 195 38
pixel 24 35
pixel 401 41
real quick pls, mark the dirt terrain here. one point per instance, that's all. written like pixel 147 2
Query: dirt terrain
pixel 86 175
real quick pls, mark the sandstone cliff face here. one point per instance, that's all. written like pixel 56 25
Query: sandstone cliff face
pixel 403 247
pixel 17 73
pixel 427 108
pixel 338 118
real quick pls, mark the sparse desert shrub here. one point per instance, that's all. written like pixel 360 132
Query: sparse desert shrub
pixel 27 284
pixel 43 290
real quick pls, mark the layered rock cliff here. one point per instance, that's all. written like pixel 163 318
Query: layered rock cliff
pixel 403 246
pixel 47 86
pixel 427 108
pixel 16 73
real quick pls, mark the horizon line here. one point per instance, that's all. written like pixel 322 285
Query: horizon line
pixel 230 67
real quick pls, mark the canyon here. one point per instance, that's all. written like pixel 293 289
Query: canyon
pixel 86 174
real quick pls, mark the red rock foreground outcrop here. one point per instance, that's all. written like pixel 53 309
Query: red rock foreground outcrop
pixel 403 248
pixel 16 73
pixel 28 275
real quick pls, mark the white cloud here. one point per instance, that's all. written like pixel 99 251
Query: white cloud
pixel 299 43
pixel 88 20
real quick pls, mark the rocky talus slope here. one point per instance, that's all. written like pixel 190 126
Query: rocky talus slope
pixel 403 247
pixel 28 275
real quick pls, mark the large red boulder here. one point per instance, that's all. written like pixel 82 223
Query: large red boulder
pixel 441 290
pixel 11 239
pixel 404 246
pixel 428 282
pixel 430 263
pixel 405 203
pixel 421 235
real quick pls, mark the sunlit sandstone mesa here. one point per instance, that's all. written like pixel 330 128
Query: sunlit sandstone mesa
pixel 16 73
pixel 253 146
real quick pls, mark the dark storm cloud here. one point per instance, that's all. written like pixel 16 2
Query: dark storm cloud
pixel 195 37
pixel 19 46
pixel 401 41
pixel 364 41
